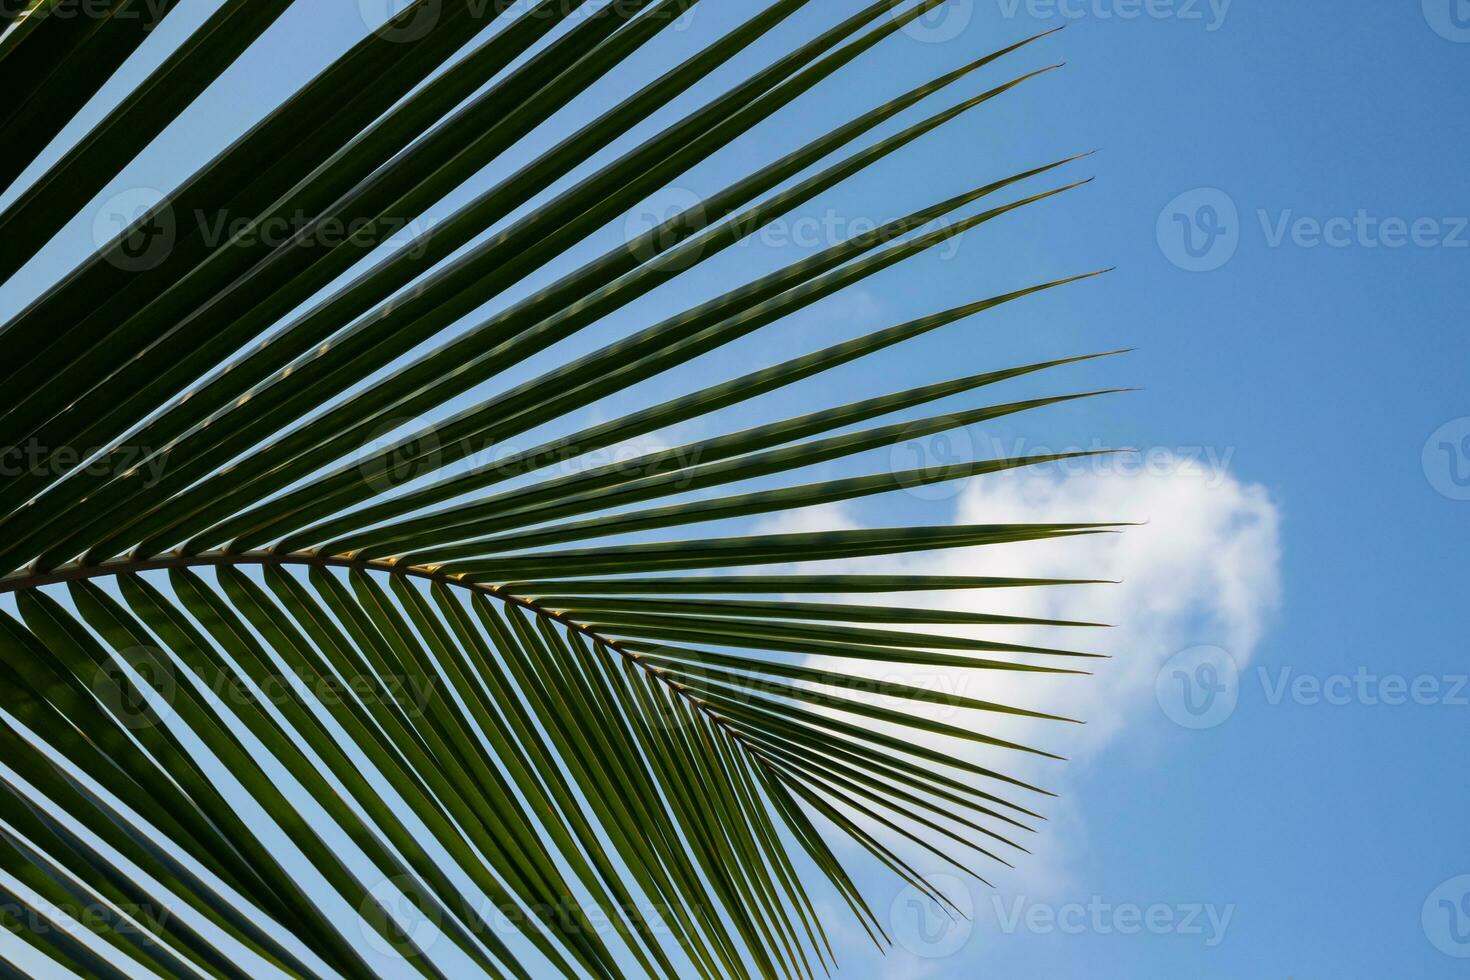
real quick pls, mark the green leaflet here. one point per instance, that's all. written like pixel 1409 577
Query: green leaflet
pixel 41 210
pixel 516 717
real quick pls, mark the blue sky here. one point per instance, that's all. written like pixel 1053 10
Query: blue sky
pixel 1282 188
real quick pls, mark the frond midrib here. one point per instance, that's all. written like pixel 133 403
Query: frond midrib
pixel 76 572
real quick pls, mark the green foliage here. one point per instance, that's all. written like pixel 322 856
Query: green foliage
pixel 435 675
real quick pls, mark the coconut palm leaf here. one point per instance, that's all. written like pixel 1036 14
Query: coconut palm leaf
pixel 316 654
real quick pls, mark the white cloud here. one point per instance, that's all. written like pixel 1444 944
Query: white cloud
pixel 1203 569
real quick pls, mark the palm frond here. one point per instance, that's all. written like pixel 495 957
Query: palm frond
pixel 268 700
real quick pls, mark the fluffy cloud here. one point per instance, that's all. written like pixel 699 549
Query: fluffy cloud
pixel 1201 568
